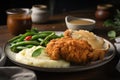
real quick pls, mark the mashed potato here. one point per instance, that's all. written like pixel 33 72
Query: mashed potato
pixel 43 60
pixel 95 41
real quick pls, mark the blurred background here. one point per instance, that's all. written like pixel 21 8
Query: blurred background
pixel 54 6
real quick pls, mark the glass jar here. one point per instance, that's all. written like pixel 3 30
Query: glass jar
pixel 104 11
pixel 39 14
pixel 18 20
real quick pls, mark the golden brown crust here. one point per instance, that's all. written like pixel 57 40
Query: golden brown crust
pixel 72 50
pixel 67 33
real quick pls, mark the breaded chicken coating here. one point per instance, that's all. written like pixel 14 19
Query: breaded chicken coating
pixel 69 49
pixel 97 43
pixel 77 47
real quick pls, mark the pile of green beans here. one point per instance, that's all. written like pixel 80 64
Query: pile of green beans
pixel 19 43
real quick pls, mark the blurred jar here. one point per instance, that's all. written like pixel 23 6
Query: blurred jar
pixel 18 20
pixel 104 11
pixel 39 14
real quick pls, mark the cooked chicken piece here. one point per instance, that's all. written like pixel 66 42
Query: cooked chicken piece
pixel 72 50
pixel 78 47
pixel 99 46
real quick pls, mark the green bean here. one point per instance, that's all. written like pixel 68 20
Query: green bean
pixel 55 36
pixel 47 38
pixel 47 32
pixel 14 49
pixel 40 39
pixel 46 42
pixel 39 36
pixel 24 47
pixel 20 47
pixel 25 43
pixel 29 46
pixel 14 38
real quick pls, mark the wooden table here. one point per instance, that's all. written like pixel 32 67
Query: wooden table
pixel 57 23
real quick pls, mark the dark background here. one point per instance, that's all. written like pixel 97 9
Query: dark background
pixel 54 6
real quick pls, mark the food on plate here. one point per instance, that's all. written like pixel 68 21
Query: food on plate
pixel 41 60
pixel 78 47
pixel 69 49
pixel 95 41
pixel 31 38
pixel 48 49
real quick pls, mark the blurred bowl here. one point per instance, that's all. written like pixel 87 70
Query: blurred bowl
pixel 76 23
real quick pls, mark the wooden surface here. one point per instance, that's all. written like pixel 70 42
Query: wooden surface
pixel 57 23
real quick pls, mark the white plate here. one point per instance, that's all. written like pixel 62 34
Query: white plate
pixel 108 57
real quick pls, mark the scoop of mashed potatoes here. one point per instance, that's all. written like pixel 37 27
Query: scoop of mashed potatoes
pixel 95 41
pixel 43 60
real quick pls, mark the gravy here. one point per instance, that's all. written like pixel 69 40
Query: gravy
pixel 81 22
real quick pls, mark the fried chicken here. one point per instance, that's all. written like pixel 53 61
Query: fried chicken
pixel 69 49
pixel 99 46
